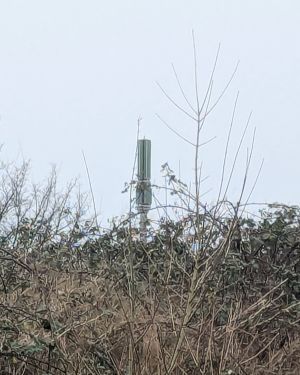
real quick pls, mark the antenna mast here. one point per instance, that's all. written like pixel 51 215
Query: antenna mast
pixel 143 190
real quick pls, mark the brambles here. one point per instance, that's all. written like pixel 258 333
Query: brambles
pixel 64 294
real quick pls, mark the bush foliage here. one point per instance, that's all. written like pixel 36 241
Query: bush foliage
pixel 75 299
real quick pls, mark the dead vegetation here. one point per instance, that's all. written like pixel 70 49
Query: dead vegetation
pixel 71 304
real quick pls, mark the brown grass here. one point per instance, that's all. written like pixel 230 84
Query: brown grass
pixel 90 326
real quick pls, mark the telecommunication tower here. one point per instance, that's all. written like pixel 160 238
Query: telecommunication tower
pixel 143 190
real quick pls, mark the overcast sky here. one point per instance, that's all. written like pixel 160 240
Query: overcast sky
pixel 76 75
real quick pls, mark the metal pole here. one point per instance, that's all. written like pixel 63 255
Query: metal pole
pixel 143 226
pixel 143 190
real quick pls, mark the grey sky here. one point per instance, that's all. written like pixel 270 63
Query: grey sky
pixel 77 74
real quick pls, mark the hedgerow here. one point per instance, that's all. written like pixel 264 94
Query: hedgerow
pixel 66 289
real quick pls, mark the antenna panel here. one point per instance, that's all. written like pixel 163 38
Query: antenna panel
pixel 144 159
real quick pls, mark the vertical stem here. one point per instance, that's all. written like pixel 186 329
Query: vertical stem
pixel 197 177
pixel 131 288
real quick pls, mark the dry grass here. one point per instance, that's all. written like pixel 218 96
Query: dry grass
pixel 79 322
